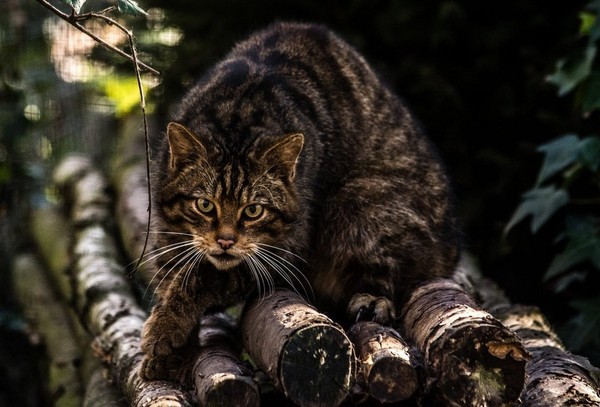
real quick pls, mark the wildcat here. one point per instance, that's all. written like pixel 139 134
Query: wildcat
pixel 290 157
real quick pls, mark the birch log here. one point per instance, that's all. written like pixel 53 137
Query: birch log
pixel 308 357
pixel 49 317
pixel 220 378
pixel 386 364
pixel 555 377
pixel 471 358
pixel 103 297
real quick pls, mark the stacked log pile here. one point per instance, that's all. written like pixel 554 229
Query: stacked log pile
pixel 458 343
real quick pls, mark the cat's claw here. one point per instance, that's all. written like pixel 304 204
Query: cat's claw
pixel 363 307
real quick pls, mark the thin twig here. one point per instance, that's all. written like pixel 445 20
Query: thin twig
pixel 147 145
pixel 74 19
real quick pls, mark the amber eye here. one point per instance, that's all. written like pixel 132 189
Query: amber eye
pixel 205 206
pixel 253 211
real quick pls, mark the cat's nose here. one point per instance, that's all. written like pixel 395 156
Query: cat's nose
pixel 225 243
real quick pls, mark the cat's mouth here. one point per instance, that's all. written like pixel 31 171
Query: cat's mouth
pixel 224 260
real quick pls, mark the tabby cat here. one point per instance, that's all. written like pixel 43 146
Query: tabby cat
pixel 291 158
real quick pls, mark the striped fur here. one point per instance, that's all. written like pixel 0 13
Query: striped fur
pixel 351 192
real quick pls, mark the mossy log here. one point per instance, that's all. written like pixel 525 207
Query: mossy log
pixel 308 357
pixel 103 297
pixel 471 358
pixel 387 368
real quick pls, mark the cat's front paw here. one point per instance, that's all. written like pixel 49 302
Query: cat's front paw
pixel 367 307
pixel 166 348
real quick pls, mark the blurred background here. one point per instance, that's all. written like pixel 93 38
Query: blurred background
pixel 477 74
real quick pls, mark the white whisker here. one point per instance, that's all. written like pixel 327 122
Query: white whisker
pixel 287 270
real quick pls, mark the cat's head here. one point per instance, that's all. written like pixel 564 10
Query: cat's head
pixel 227 205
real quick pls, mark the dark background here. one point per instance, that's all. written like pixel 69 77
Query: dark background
pixel 474 73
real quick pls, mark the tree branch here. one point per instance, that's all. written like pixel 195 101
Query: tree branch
pixel 74 20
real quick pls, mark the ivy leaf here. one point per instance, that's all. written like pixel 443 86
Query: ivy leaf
pixel 589 153
pixel 559 154
pixel 130 7
pixel 585 326
pixel 541 204
pixel 571 71
pixel 591 93
pixel 583 245
pixel 76 4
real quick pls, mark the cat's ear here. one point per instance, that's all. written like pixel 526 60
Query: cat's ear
pixel 282 156
pixel 183 145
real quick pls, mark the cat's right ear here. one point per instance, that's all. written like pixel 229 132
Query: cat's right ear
pixel 183 146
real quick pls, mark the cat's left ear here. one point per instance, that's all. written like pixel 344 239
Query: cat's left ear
pixel 282 156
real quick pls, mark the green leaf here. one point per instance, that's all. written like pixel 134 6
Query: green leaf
pixel 590 24
pixel 541 204
pixel 76 4
pixel 130 7
pixel 583 245
pixel 589 153
pixel 588 20
pixel 559 154
pixel 123 92
pixel 571 71
pixel 591 93
pixel 586 325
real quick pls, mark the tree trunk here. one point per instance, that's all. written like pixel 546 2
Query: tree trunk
pixel 308 357
pixel 472 359
pixel 103 297
pixel 387 366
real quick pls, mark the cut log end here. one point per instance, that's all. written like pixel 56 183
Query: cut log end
pixel 317 366
pixel 233 390
pixel 472 358
pixel 387 369
pixel 306 355
pixel 390 380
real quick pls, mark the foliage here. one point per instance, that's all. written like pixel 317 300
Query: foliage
pixel 124 6
pixel 568 188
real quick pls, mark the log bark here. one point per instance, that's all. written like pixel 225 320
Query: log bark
pixel 307 356
pixel 50 319
pixel 387 368
pixel 555 377
pixel 471 358
pixel 103 297
pixel 220 378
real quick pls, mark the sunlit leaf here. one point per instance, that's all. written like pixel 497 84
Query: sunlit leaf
pixel 76 4
pixel 571 71
pixel 123 92
pixel 541 204
pixel 130 7
pixel 583 245
pixel 590 24
pixel 589 153
pixel 559 154
pixel 587 22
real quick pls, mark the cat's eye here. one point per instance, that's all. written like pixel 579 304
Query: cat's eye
pixel 205 206
pixel 253 211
